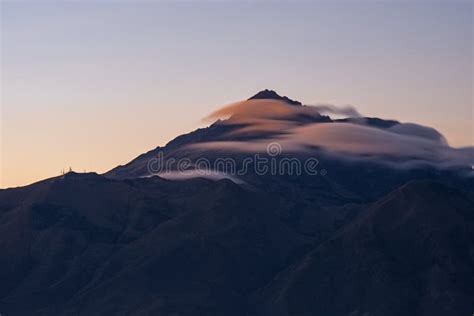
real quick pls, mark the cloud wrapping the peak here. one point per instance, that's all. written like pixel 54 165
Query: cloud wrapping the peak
pixel 416 130
pixel 302 129
pixel 241 112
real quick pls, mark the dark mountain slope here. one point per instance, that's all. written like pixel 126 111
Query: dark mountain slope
pixel 84 244
pixel 332 243
pixel 412 253
pixel 57 235
pixel 204 262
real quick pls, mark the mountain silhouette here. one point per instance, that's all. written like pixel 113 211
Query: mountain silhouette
pixel 270 94
pixel 410 253
pixel 364 235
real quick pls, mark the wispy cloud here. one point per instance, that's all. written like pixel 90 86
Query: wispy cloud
pixel 346 110
pixel 403 143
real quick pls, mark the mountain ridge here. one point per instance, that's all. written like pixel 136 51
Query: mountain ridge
pixel 271 94
pixel 360 237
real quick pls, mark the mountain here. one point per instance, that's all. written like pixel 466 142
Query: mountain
pixel 410 253
pixel 358 234
pixel 250 126
pixel 270 94
pixel 73 238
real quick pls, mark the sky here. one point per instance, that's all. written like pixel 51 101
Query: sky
pixel 92 84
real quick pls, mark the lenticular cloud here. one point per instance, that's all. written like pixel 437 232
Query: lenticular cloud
pixel 304 128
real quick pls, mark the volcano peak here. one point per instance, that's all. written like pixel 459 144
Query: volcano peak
pixel 271 94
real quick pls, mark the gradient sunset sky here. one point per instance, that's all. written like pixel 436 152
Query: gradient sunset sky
pixel 93 84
